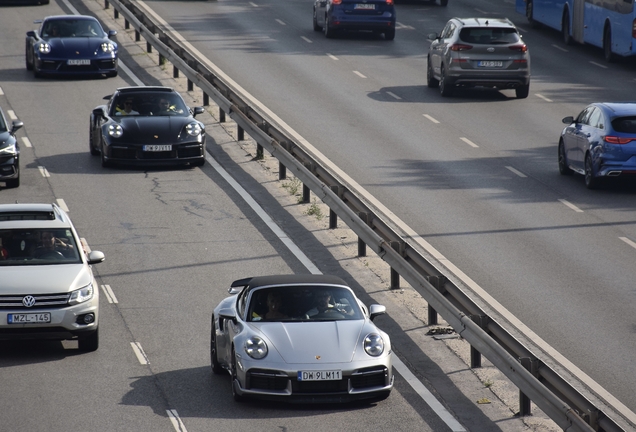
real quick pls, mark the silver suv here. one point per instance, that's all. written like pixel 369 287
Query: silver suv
pixel 47 287
pixel 485 52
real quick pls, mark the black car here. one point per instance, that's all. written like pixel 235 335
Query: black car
pixel 71 45
pixel 9 152
pixel 147 126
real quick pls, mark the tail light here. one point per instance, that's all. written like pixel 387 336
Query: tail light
pixel 520 47
pixel 618 140
pixel 336 2
pixel 389 2
pixel 460 47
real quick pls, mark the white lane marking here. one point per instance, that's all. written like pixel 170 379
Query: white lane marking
pixel 481 11
pixel 27 142
pixel 560 48
pixel 253 4
pixel 130 73
pixel 12 115
pixel 425 394
pixel 264 216
pixel 62 204
pixel 430 118
pixel 570 205
pixel 543 97
pixel 139 352
pixel 469 142
pixel 599 65
pixel 332 57
pixel 359 74
pixel 628 241
pixel 281 22
pixel 1 92
pixel 521 29
pixel 306 39
pixel 176 421
pixel 519 173
pixel 44 172
pixel 399 25
pixel 393 95
pixel 110 295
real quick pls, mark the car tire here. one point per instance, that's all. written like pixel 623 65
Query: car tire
pixel 198 163
pixel 523 91
pixel 112 74
pixel 609 56
pixel 530 14
pixel 89 343
pixel 13 183
pixel 317 28
pixel 237 397
pixel 389 34
pixel 29 65
pixel 214 359
pixel 431 81
pixel 327 29
pixel 91 145
pixel 565 29
pixel 445 89
pixel 564 169
pixel 591 182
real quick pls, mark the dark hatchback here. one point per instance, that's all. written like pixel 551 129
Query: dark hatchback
pixel 333 16
pixel 147 126
pixel 71 45
pixel 9 152
pixel 600 142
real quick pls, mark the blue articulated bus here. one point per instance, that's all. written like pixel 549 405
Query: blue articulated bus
pixel 607 24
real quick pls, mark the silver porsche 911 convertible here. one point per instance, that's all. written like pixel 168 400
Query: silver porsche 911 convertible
pixel 300 338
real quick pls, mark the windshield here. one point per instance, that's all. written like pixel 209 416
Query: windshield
pixel 303 303
pixel 72 28
pixel 38 247
pixel 149 104
pixel 489 35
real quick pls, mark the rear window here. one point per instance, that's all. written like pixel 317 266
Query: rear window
pixel 489 35
pixel 624 124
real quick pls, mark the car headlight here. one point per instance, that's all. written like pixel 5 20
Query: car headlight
pixel 44 48
pixel 81 295
pixel 115 130
pixel 374 344
pixel 108 47
pixel 193 129
pixel 9 150
pixel 256 348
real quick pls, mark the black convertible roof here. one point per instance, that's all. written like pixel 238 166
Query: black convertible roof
pixel 290 279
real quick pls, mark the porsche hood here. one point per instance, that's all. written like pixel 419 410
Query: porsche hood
pixel 78 47
pixel 305 342
pixel 152 129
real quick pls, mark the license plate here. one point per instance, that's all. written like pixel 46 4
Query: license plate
pixel 30 318
pixel 495 64
pixel 323 375
pixel 364 6
pixel 74 62
pixel 157 148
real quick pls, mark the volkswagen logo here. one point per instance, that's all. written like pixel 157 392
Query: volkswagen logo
pixel 28 301
pixel 490 49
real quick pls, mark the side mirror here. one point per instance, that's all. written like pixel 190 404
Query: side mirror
pixel 568 120
pixel 31 33
pixel 99 112
pixel 17 124
pixel 432 36
pixel 95 257
pixel 111 33
pixel 375 310
pixel 228 314
pixel 197 110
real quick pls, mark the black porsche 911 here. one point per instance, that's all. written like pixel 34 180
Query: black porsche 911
pixel 9 152
pixel 71 45
pixel 147 126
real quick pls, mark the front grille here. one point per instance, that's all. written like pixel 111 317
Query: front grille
pixel 370 377
pixel 191 151
pixel 266 380
pixel 318 387
pixel 42 301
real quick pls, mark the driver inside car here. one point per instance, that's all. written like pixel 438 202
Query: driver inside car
pixel 325 305
pixel 52 246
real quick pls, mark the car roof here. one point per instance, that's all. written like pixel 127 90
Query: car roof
pixel 485 22
pixel 14 216
pixel 145 89
pixel 69 17
pixel 618 108
pixel 282 280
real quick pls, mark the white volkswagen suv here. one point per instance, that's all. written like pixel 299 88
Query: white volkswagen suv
pixel 47 287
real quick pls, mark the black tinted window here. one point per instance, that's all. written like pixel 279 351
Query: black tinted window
pixel 489 35
pixel 624 124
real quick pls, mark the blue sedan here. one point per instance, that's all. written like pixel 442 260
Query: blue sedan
pixel 71 45
pixel 332 16
pixel 600 142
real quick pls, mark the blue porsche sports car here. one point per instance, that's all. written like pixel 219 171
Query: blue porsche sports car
pixel 71 45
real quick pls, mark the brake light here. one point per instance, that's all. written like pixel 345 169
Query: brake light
pixel 389 2
pixel 336 2
pixel 521 48
pixel 618 140
pixel 460 47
